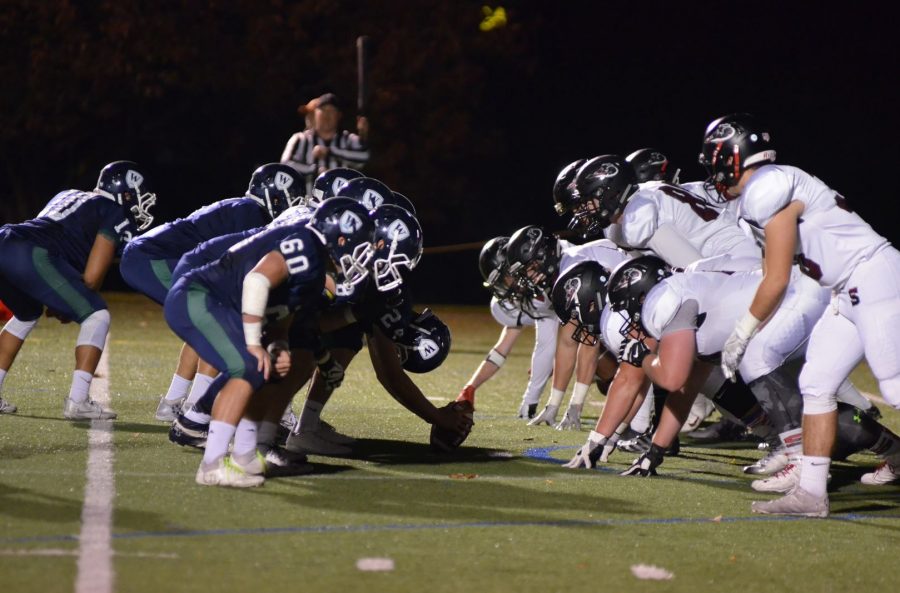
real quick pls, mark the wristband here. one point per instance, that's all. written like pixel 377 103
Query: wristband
pixel 253 333
pixel 747 325
pixel 496 358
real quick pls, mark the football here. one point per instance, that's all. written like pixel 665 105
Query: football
pixel 446 441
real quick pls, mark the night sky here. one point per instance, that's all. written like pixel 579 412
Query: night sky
pixel 472 126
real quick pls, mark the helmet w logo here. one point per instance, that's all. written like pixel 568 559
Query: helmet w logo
pixel 337 184
pixel 133 179
pixel 428 348
pixel 398 230
pixel 372 199
pixel 349 223
pixel 283 181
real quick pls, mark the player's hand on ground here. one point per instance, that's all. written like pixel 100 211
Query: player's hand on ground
pixel 264 362
pixel 589 453
pixel 547 416
pixel 646 464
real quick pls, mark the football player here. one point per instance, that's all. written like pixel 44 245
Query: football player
pixel 149 261
pixel 535 259
pixel 802 220
pixel 220 309
pixel 513 314
pixel 58 260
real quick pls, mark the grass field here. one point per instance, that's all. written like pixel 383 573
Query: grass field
pixel 502 515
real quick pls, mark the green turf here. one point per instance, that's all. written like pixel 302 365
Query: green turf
pixel 489 519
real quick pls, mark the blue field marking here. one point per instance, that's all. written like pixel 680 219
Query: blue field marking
pixel 139 535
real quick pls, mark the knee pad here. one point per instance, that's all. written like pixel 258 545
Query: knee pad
pixel 94 329
pixel 19 328
pixel 890 391
pixel 856 431
pixel 779 396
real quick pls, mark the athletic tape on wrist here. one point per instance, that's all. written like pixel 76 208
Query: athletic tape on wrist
pixel 495 357
pixel 253 333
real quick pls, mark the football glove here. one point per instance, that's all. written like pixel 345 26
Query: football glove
pixel 588 455
pixel 547 416
pixel 633 352
pixel 331 371
pixel 572 418
pixel 646 464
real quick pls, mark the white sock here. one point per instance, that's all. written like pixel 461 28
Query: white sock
pixel 245 437
pixel 217 440
pixel 267 433
pixel 792 441
pixel 556 397
pixel 579 392
pixel 178 389
pixel 814 474
pixel 196 416
pixel 81 385
pixel 2 378
pixel 309 417
pixel 198 389
pixel 641 421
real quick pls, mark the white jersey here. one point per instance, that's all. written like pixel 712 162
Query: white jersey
pixel 602 251
pixel 720 300
pixel 832 239
pixel 514 315
pixel 695 219
pixel 610 324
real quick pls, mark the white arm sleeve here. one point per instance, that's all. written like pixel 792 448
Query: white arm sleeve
pixel 668 243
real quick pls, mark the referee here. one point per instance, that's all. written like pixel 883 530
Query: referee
pixel 324 145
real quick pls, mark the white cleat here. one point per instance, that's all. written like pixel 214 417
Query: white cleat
pixel 256 466
pixel 329 433
pixel 547 416
pixel 571 420
pixel 86 410
pixel 774 461
pixel 167 411
pixel 883 474
pixel 227 473
pixel 781 481
pixel 797 502
pixel 6 407
pixel 312 443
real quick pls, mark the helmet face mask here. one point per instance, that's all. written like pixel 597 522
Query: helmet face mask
pixel 731 145
pixel 397 243
pixel 346 230
pixel 276 187
pixel 123 182
pixel 604 185
pixel 628 287
pixel 578 297
pixel 533 261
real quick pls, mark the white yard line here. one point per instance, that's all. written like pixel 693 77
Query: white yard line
pixel 95 566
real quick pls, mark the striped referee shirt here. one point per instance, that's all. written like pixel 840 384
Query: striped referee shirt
pixel 344 150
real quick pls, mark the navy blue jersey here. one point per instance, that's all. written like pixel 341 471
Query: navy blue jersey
pixel 174 239
pixel 70 222
pixel 390 311
pixel 306 260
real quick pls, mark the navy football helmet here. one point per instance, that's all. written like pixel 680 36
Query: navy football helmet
pixel 345 228
pixel 369 192
pixel 398 243
pixel 564 193
pixel 652 165
pixel 329 183
pixel 425 344
pixel 603 186
pixel 127 184
pixel 630 283
pixel 533 258
pixel 731 144
pixel 276 187
pixel 578 296
pixel 404 202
